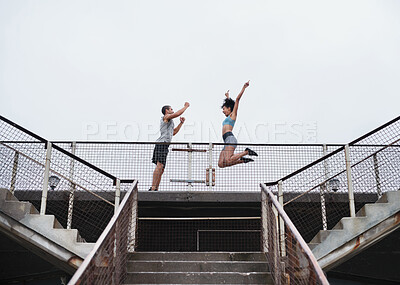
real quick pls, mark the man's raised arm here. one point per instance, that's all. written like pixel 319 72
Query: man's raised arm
pixel 177 113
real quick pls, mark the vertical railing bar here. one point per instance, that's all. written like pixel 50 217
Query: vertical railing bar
pixel 190 161
pixel 281 222
pixel 46 179
pixel 210 170
pixel 14 172
pixel 349 181
pixel 72 188
pixel 117 195
pixel 377 176
pixel 322 189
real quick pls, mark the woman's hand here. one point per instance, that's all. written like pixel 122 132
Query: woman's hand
pixel 227 94
pixel 247 84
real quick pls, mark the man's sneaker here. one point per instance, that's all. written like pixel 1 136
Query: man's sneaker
pixel 251 152
pixel 246 160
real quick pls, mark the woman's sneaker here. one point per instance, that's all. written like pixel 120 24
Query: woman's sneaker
pixel 246 160
pixel 251 152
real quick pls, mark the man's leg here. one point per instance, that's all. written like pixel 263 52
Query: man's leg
pixel 158 172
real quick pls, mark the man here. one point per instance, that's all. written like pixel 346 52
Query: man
pixel 167 130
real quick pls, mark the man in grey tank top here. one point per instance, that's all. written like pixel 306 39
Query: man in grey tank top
pixel 167 130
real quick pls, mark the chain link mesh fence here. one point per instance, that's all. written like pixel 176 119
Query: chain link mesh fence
pixel 188 165
pixel 107 262
pixel 321 189
pixel 290 259
pixel 80 195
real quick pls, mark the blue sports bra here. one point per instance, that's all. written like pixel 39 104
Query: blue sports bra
pixel 228 121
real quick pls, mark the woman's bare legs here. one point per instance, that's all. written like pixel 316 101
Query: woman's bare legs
pixel 228 158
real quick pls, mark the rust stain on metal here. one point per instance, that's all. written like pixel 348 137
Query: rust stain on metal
pixel 75 261
pixel 357 243
pixel 397 218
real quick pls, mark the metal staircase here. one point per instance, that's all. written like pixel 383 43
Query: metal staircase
pixel 354 234
pixel 42 234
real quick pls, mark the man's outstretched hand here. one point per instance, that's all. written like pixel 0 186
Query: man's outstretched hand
pixel 182 119
pixel 187 104
pixel 247 84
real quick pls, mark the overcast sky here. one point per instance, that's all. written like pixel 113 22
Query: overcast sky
pixel 319 71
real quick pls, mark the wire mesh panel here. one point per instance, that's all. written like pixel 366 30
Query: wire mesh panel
pixel 199 234
pixel 290 259
pixel 188 165
pixel 343 181
pixel 56 182
pixel 106 263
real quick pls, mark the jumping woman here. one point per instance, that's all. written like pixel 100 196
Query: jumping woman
pixel 227 156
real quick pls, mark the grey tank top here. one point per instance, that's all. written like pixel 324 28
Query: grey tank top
pixel 166 131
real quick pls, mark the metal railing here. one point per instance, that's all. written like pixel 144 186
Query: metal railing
pixel 79 194
pixel 107 262
pixel 191 166
pixel 342 182
pixel 290 259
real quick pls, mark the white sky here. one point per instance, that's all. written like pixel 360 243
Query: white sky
pixel 70 68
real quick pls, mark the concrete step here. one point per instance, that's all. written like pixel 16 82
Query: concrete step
pixel 198 256
pixel 5 195
pixel 349 228
pixel 312 245
pixel 390 197
pixel 198 278
pixel 18 210
pixel 322 235
pixel 348 222
pixel 48 226
pixel 371 209
pixel 45 225
pixel 197 266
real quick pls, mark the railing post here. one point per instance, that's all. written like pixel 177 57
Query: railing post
pixel 210 171
pixel 133 222
pixel 14 173
pixel 322 189
pixel 72 188
pixel 264 221
pixel 377 176
pixel 349 181
pixel 46 180
pixel 117 194
pixel 190 161
pixel 281 222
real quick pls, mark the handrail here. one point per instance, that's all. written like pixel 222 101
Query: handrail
pixel 339 173
pixel 105 234
pixel 42 140
pixel 295 232
pixel 59 174
pixel 352 143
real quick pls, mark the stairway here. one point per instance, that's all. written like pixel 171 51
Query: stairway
pixel 354 234
pixel 198 268
pixel 42 234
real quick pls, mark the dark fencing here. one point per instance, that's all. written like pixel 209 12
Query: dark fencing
pixel 340 183
pixel 57 182
pixel 107 262
pixel 194 166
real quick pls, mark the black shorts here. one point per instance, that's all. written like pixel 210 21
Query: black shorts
pixel 160 154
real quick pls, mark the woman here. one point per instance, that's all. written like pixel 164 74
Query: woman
pixel 227 156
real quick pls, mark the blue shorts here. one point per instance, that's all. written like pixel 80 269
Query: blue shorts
pixel 229 139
